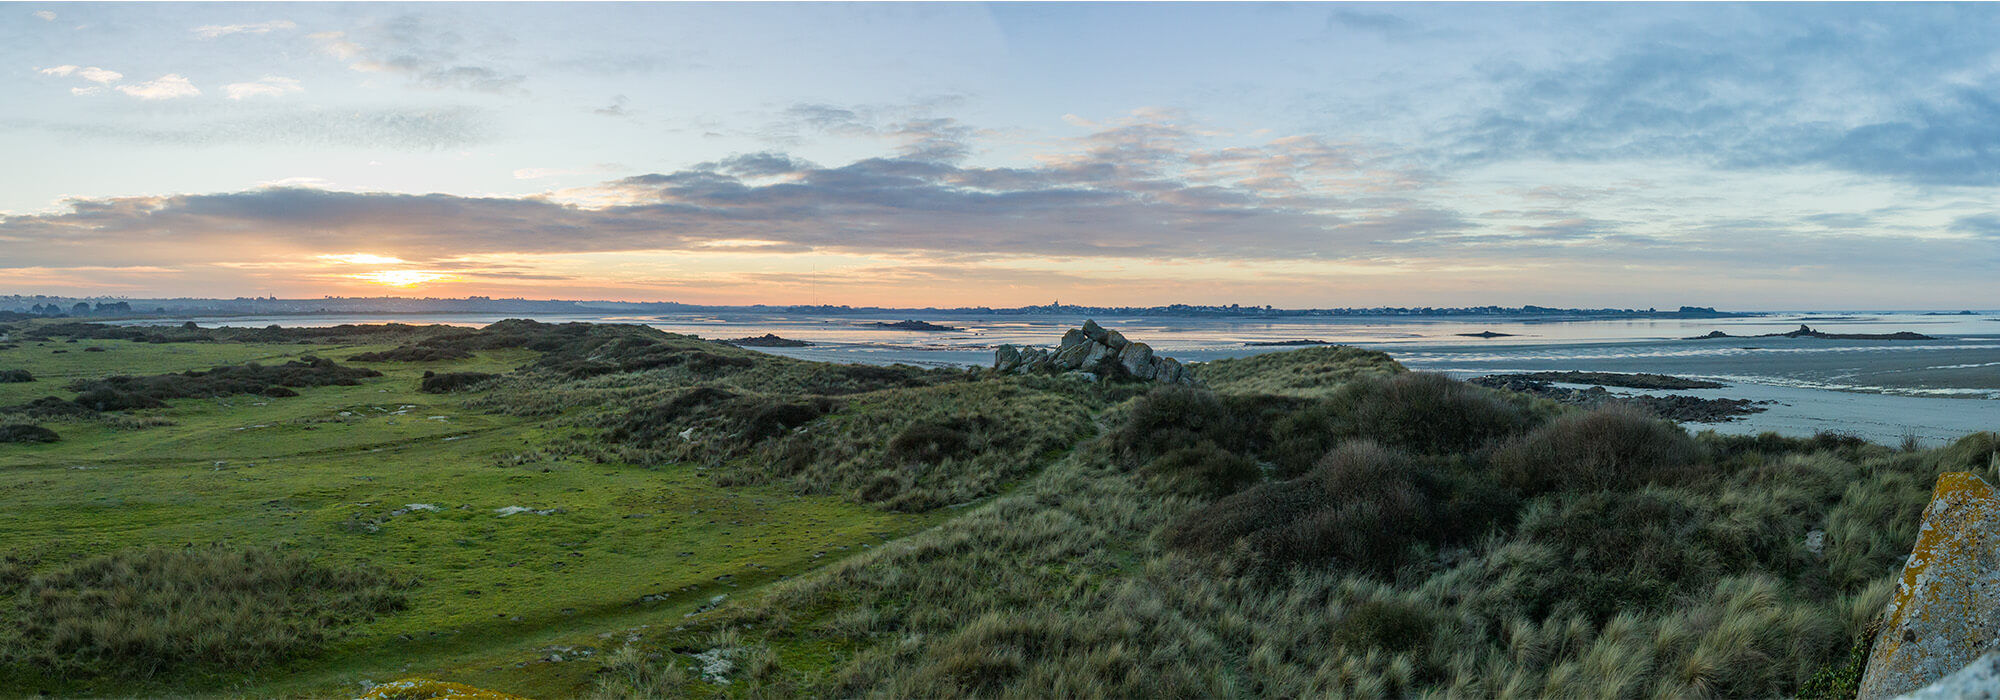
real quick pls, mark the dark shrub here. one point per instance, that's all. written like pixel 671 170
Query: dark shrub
pixel 412 353
pixel 1427 412
pixel 109 399
pixel 1176 417
pixel 93 348
pixel 928 442
pixel 278 392
pixel 765 420
pixel 15 376
pixel 447 382
pixel 49 407
pixel 27 433
pixel 141 612
pixel 1203 470
pixel 1393 626
pixel 122 392
pixel 1615 446
pixel 1361 507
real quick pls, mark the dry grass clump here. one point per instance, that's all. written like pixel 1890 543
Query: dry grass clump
pixel 1614 446
pixel 143 612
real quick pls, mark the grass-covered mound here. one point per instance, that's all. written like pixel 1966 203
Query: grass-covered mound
pixel 141 613
pixel 24 433
pixel 1305 372
pixel 907 449
pixel 1440 540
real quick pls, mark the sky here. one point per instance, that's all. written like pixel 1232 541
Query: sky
pixel 1770 156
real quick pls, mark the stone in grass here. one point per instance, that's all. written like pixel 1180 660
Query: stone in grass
pixel 1947 606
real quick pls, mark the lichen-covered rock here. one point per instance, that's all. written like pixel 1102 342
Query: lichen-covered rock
pixel 1946 612
pixel 1006 358
pixel 1115 339
pixel 1137 359
pixel 1092 349
pixel 1978 681
pixel 1093 331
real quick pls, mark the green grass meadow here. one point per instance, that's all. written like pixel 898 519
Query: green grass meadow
pixel 326 473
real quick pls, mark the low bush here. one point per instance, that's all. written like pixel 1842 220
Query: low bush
pixel 20 433
pixel 1204 471
pixel 142 612
pixel 1615 446
pixel 1174 417
pixel 929 442
pixel 413 353
pixel 126 392
pixel 52 408
pixel 1360 508
pixel 15 376
pixel 447 382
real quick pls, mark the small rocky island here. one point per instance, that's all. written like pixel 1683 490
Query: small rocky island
pixel 911 325
pixel 1678 408
pixel 767 340
pixel 1487 334
pixel 1093 353
pixel 1806 331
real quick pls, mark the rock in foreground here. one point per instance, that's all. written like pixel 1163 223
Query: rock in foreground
pixel 1096 353
pixel 1948 603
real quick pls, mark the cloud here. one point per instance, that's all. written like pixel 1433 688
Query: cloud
pixel 1844 90
pixel 93 73
pixel 45 15
pixel 165 87
pixel 337 44
pixel 410 129
pixel 1981 225
pixel 429 56
pixel 220 30
pixel 616 108
pixel 1382 22
pixel 905 203
pixel 267 86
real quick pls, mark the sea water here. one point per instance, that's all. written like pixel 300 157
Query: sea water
pixel 1883 390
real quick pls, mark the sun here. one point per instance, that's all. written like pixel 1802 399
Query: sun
pixel 404 278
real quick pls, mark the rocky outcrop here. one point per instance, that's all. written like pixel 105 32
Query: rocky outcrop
pixel 1675 407
pixel 1947 607
pixel 1806 331
pixel 1093 352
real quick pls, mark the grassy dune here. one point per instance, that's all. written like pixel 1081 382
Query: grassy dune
pixel 616 512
